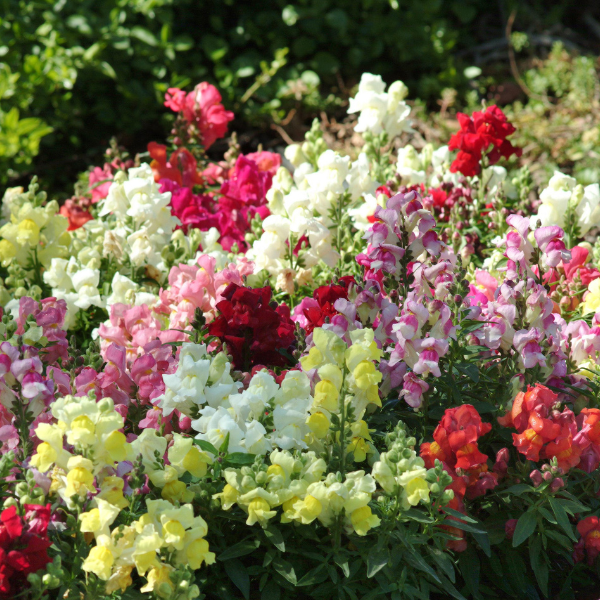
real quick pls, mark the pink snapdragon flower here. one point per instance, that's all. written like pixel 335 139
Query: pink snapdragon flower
pixel 202 108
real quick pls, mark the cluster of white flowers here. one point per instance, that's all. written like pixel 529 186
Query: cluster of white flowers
pixel 200 379
pixel 428 166
pixel 380 110
pixel 202 386
pixel 283 408
pixel 301 205
pixel 143 221
pixel 564 194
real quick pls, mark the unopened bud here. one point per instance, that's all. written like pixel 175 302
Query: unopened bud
pixel 536 478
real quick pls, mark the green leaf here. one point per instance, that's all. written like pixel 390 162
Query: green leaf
pixel 470 370
pixel 518 490
pixel 444 563
pixel 274 536
pixel 342 563
pixel 206 446
pixel 285 569
pixel 464 526
pixel 238 574
pixel 239 459
pixel 459 515
pixel 225 444
pixel 470 569
pixel 526 525
pixel 572 506
pixel 562 518
pixel 416 560
pixel 107 70
pixel 143 35
pixel 271 591
pixel 314 576
pixel 537 557
pixel 376 560
pixel 242 548
pixel 483 539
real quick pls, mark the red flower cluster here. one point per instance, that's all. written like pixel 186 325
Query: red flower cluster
pixel 545 432
pixel 202 110
pixel 455 445
pixel 254 331
pixel 589 529
pixel 322 306
pixel 244 192
pixel 244 195
pixel 181 167
pixel 478 133
pixel 23 546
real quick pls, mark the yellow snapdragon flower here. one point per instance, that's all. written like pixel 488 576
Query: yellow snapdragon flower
pixel 99 561
pixel 591 302
pixel 363 520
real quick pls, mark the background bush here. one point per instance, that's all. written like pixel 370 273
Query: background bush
pixel 75 73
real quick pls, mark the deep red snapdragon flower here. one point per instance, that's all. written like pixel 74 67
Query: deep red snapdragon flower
pixel 24 546
pixel 326 296
pixel 254 330
pixel 484 130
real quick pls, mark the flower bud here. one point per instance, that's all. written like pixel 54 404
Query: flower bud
pixel 536 477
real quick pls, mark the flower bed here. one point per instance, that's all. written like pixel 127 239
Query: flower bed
pixel 307 376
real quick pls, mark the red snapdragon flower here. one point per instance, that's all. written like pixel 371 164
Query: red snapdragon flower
pixel 545 432
pixel 481 131
pixel 313 313
pixel 455 445
pixel 254 331
pixel 202 108
pixel 589 529
pixel 23 546
pixel 181 167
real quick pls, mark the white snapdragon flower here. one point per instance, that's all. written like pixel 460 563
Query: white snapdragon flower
pixel 123 290
pixel 563 192
pixel 359 178
pixel 360 215
pixel 190 384
pixel 410 166
pixel 85 281
pixel 301 174
pixel 56 276
pixel 327 183
pixel 215 425
pixel 495 177
pixel 588 210
pixel 555 199
pixel 379 110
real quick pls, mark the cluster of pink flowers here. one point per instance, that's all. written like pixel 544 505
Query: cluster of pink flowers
pixel 30 374
pixel 202 110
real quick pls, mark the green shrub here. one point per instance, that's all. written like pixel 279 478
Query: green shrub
pixel 87 67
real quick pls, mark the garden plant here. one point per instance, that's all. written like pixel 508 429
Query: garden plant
pixel 302 375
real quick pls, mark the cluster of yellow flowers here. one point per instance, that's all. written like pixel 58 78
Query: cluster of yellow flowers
pixel 348 383
pixel 183 457
pixel 160 540
pixel 93 430
pixel 296 484
pixel 32 232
